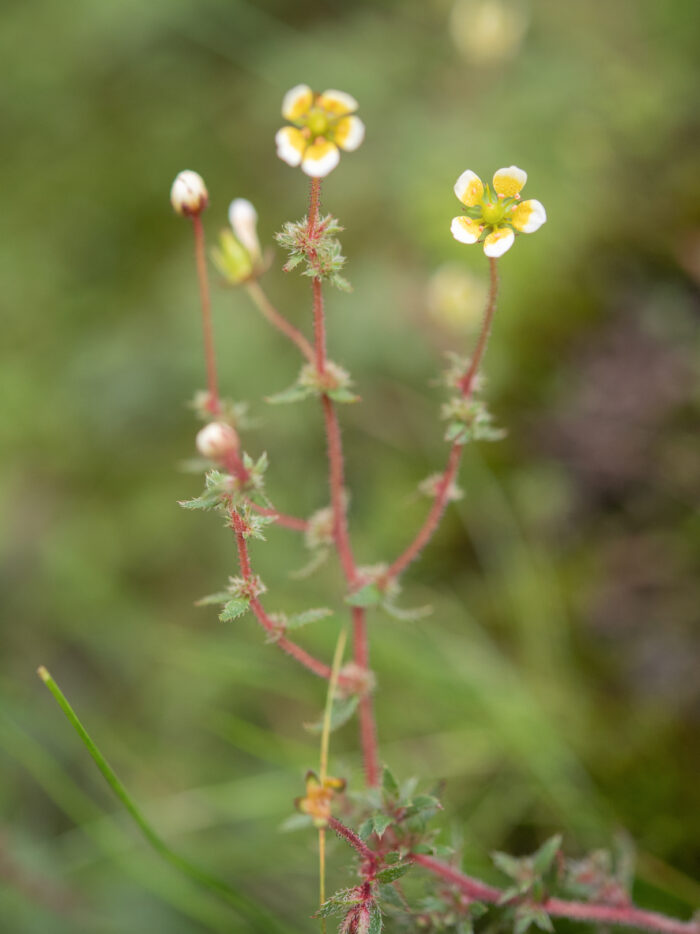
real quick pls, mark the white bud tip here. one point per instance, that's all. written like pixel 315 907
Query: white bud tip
pixel 244 219
pixel 189 195
pixel 216 440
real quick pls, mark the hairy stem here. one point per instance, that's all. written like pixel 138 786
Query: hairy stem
pixel 309 661
pixel 355 842
pixel 278 320
pixel 628 915
pixel 341 535
pixel 213 403
pixel 442 494
pixel 281 518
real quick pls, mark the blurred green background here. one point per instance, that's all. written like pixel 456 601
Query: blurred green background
pixel 556 684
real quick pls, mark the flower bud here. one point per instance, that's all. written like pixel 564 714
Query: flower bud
pixel 231 259
pixel 189 195
pixel 216 440
pixel 244 219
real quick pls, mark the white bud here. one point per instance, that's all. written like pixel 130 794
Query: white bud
pixel 189 195
pixel 244 219
pixel 216 440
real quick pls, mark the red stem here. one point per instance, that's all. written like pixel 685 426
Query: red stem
pixel 468 379
pixel 278 320
pixel 577 911
pixel 365 711
pixel 442 495
pixel 291 648
pixel 213 403
pixel 337 489
pixel 341 535
pixel 281 518
pixel 355 842
pixel 433 518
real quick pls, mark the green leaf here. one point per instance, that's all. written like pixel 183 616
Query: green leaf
pixel 406 615
pixel 375 919
pixel 222 597
pixel 508 865
pixel 234 608
pixel 296 620
pixel 341 394
pixel 369 595
pixel 457 432
pixel 342 709
pixel 366 829
pixel 295 393
pixel 527 915
pixel 544 857
pixel 296 822
pixel 381 822
pixel 392 873
pixel 205 501
pixel 388 893
pixel 389 784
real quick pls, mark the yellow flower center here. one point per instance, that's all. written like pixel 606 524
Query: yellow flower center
pixel 492 214
pixel 318 123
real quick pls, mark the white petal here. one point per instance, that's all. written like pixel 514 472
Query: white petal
pixel 529 216
pixel 499 242
pixel 290 145
pixel 465 229
pixel 469 188
pixel 320 159
pixel 509 181
pixel 349 133
pixel 297 102
pixel 337 102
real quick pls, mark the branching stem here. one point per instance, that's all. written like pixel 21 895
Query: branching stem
pixel 309 661
pixel 628 915
pixel 277 320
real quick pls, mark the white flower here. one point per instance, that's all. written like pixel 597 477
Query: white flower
pixel 216 440
pixel 495 211
pixel 323 125
pixel 189 195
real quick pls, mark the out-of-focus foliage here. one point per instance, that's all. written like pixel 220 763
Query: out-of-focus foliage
pixel 555 686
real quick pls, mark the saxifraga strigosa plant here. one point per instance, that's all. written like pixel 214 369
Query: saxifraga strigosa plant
pixel 387 823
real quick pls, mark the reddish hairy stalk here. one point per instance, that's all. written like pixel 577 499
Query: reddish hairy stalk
pixel 281 518
pixel 336 472
pixel 433 518
pixel 442 493
pixel 628 915
pixel 466 384
pixel 278 320
pixel 368 727
pixel 341 535
pixel 314 204
pixel 291 648
pixel 358 845
pixel 213 403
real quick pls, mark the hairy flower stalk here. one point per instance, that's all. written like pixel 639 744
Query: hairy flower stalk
pixel 466 386
pixel 341 535
pixel 189 198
